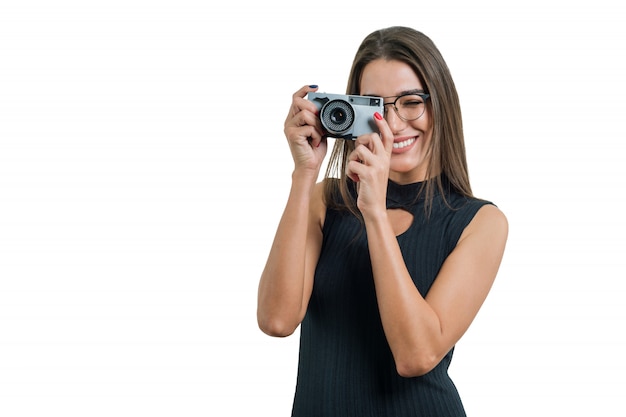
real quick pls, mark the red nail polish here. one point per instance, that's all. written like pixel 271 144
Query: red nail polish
pixel 378 116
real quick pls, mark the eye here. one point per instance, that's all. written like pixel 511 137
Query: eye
pixel 411 101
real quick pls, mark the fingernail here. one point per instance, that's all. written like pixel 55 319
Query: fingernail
pixel 313 86
pixel 378 116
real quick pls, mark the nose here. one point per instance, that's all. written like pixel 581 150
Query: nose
pixel 396 124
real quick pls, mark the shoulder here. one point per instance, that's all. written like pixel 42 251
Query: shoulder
pixel 489 223
pixel 489 215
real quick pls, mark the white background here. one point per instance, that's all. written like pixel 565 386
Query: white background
pixel 143 170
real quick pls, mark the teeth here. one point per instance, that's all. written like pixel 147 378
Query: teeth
pixel 404 144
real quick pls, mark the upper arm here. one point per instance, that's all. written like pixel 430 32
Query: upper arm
pixel 314 239
pixel 468 273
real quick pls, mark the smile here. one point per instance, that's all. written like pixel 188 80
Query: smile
pixel 403 144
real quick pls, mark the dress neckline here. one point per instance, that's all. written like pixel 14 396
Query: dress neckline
pixel 404 195
pixel 407 196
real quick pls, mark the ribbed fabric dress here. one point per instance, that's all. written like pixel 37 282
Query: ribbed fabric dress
pixel 345 366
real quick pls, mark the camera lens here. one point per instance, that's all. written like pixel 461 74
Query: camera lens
pixel 337 116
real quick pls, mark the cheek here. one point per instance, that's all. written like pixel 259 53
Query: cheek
pixel 423 124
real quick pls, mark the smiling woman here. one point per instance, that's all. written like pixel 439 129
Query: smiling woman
pixel 385 267
pixel 411 125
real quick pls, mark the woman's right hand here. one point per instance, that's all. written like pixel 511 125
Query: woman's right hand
pixel 305 133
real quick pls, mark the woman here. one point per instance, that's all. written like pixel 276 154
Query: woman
pixel 386 266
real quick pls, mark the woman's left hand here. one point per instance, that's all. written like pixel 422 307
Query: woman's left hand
pixel 368 166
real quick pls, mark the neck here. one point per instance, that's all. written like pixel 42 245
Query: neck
pixel 418 175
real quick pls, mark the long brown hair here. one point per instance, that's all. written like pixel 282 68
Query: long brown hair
pixel 446 152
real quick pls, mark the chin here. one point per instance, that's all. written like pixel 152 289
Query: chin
pixel 405 163
pixel 414 171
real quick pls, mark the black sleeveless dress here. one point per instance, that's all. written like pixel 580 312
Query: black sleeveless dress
pixel 345 365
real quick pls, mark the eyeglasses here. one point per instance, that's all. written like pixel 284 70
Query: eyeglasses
pixel 409 107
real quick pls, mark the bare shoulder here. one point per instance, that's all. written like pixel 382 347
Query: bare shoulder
pixel 490 224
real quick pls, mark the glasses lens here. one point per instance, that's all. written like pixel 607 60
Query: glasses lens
pixel 410 107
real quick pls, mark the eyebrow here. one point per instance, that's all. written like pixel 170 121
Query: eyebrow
pixel 405 92
pixel 402 93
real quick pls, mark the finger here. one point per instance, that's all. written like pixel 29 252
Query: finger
pixel 303 91
pixel 353 170
pixel 305 118
pixel 357 166
pixel 299 102
pixel 361 154
pixel 365 141
pixel 304 133
pixel 357 162
pixel 386 135
pixel 316 140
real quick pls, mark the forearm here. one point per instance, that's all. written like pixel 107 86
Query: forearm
pixel 282 283
pixel 411 326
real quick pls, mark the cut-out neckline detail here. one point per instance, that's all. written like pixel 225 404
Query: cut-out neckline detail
pixel 401 220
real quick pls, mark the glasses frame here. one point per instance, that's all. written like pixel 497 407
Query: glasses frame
pixel 424 97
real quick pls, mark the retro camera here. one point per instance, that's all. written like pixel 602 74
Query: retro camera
pixel 345 116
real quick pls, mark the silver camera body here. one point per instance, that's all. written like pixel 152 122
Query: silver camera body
pixel 347 116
